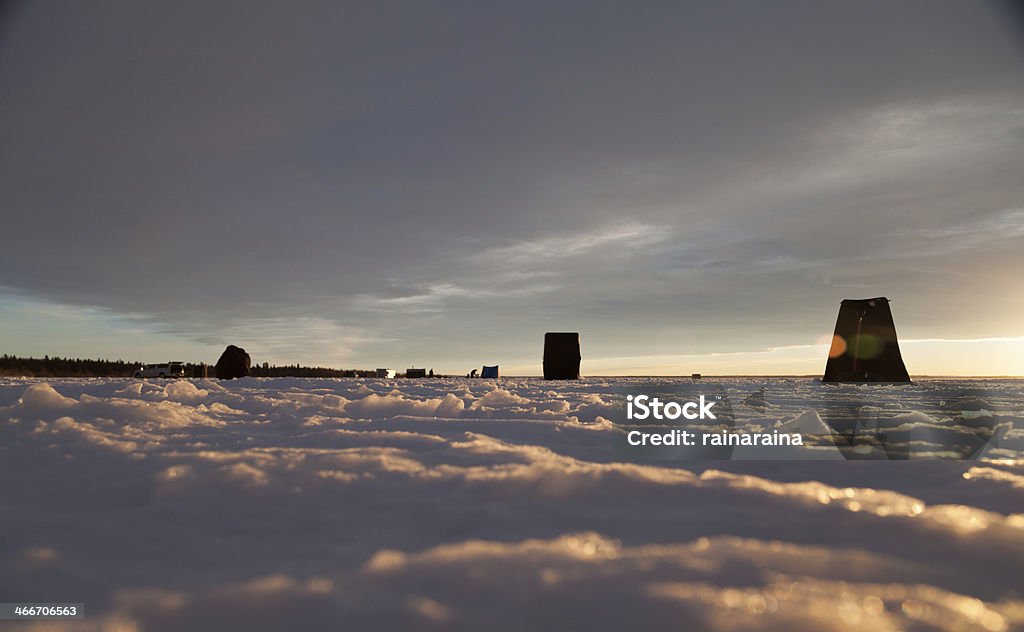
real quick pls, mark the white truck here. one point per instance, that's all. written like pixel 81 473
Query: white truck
pixel 170 369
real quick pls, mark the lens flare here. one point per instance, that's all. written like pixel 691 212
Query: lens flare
pixel 868 346
pixel 838 347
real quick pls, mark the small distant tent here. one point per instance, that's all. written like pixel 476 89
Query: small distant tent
pixel 864 347
pixel 561 356
pixel 416 373
pixel 234 362
pixel 489 371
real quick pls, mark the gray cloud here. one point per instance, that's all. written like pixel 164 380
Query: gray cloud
pixel 413 181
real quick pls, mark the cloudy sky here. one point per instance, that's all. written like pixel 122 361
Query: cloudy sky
pixel 692 186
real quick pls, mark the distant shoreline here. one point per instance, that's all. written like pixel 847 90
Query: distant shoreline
pixel 916 378
pixel 58 367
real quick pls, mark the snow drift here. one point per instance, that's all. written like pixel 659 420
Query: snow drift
pixel 465 504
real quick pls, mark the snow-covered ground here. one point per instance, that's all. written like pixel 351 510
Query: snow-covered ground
pixel 505 505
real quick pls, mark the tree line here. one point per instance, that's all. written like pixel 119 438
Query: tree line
pixel 14 366
pixel 295 370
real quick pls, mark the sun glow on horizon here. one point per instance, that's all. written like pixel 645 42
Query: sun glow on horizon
pixel 998 356
pixel 37 328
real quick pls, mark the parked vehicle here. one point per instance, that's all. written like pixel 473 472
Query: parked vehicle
pixel 171 369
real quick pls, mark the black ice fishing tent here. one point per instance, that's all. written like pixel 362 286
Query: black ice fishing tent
pixel 561 356
pixel 864 347
pixel 489 371
pixel 234 362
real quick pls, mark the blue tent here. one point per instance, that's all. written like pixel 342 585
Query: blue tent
pixel 489 371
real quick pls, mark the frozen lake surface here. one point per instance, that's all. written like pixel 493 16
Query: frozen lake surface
pixel 266 504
